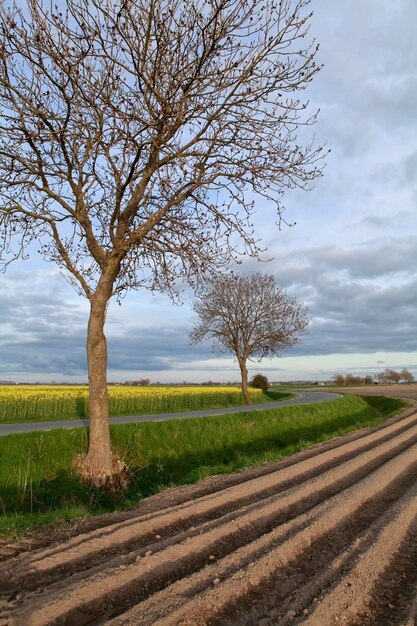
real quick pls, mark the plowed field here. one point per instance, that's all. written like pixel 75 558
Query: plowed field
pixel 327 536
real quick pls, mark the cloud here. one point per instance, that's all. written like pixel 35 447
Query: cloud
pixel 372 259
pixel 155 349
pixel 350 258
pixel 361 299
pixel 44 326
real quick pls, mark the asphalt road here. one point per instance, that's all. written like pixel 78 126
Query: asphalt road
pixel 306 397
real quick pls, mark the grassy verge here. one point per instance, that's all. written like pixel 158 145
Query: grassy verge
pixel 279 395
pixel 38 485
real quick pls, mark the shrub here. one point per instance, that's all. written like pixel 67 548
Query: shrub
pixel 259 381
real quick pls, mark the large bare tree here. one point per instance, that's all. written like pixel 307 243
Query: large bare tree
pixel 249 317
pixel 135 135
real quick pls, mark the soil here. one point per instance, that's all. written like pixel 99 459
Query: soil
pixel 327 536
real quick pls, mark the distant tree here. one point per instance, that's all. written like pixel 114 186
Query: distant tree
pixel 394 377
pixel 248 316
pixel 143 382
pixel 383 377
pixel 133 133
pixel 260 381
pixel 406 376
pixel 350 379
pixel 388 376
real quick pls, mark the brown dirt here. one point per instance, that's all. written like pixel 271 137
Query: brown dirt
pixel 408 391
pixel 327 536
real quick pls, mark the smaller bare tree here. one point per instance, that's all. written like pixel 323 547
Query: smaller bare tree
pixel 248 316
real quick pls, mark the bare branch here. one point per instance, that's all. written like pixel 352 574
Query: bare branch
pixel 135 125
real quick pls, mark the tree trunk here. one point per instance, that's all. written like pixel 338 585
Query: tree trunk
pixel 244 373
pixel 100 466
pixel 99 455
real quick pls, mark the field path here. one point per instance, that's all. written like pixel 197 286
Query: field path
pixel 327 536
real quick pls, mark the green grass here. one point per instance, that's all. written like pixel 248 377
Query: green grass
pixel 38 485
pixel 279 395
pixel 383 406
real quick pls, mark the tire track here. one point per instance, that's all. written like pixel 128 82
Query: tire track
pixel 294 544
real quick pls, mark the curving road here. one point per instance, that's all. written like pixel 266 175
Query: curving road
pixel 306 397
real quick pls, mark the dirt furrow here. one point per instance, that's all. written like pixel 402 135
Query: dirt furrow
pixel 393 598
pixel 90 550
pixel 251 521
pixel 278 547
pixel 350 600
pixel 107 590
pixel 411 612
pixel 280 564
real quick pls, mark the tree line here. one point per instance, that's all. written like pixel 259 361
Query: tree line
pixel 382 378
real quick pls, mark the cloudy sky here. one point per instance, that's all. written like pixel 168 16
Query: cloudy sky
pixel 351 257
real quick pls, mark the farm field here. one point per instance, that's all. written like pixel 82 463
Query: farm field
pixel 326 535
pixel 408 390
pixel 51 402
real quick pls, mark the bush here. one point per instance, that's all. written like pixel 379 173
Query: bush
pixel 259 381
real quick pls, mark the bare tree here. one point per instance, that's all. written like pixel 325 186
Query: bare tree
pixel 388 376
pixel 350 379
pixel 406 376
pixel 339 379
pixel 383 377
pixel 249 317
pixel 394 377
pixel 131 132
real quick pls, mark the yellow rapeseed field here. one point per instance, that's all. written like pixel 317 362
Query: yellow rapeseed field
pixel 48 402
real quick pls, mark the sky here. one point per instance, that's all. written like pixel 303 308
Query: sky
pixel 351 257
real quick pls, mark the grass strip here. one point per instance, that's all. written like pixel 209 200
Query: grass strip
pixel 38 485
pixel 279 395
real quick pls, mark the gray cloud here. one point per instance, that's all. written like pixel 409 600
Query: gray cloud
pixel 361 299
pixel 141 349
pixel 351 257
pixel 43 326
pixel 369 260
pixel 43 331
pixel 155 349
